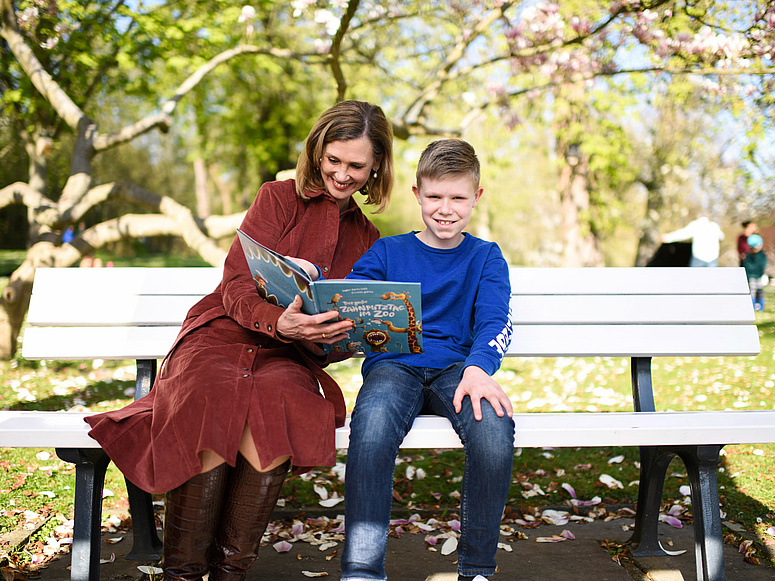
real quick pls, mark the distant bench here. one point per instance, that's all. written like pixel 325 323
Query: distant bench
pixel 640 313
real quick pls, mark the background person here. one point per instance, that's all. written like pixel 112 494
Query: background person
pixel 755 264
pixel 705 236
pixel 749 228
pixel 238 398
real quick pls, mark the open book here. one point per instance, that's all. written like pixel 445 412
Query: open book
pixel 386 316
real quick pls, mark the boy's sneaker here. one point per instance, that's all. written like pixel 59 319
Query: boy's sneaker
pixel 477 578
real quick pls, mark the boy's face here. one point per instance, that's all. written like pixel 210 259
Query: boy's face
pixel 446 206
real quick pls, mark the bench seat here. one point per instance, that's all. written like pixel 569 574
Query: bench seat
pixel 39 429
pixel 638 313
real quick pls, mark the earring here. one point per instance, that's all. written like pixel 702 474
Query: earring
pixel 374 175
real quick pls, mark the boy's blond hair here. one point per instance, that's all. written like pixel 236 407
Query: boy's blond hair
pixel 448 158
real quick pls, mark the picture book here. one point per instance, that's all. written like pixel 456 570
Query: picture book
pixel 386 316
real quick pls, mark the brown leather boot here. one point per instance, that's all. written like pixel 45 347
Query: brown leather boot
pixel 191 513
pixel 250 499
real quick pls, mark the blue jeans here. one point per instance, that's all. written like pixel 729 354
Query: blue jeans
pixel 693 261
pixel 393 394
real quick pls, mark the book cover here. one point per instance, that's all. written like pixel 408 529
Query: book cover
pixel 386 315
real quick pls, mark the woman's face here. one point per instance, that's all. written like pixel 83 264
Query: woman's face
pixel 346 167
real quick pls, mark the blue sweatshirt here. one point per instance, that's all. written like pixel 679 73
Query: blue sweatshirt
pixel 465 299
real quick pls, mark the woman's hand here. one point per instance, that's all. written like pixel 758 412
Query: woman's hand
pixel 295 325
pixel 306 266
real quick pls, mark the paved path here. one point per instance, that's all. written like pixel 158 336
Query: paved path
pixel 582 559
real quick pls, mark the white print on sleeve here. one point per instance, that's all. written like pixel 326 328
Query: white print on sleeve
pixel 503 340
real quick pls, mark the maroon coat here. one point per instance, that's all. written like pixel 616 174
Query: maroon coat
pixel 228 366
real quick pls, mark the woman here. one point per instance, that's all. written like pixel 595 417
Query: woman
pixel 238 398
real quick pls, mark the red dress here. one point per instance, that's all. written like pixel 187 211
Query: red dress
pixel 228 367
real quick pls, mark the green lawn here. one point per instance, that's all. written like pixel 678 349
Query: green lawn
pixel 36 487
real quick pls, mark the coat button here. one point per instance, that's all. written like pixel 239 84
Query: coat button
pixel 250 350
pixel 268 327
pixel 325 269
pixel 257 325
pixel 246 375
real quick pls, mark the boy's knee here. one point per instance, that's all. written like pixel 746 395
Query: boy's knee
pixel 495 443
pixel 373 432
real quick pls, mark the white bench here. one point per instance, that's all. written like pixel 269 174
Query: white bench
pixel 640 313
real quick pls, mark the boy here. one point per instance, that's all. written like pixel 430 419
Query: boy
pixel 755 263
pixel 466 329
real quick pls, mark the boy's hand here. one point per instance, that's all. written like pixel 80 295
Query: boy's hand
pixel 295 325
pixel 477 384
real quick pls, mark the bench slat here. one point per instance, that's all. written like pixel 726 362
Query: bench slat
pixel 637 309
pixel 106 311
pixel 528 341
pixel 98 342
pixel 631 341
pixel 57 283
pixel 600 429
pixel 628 280
pixel 25 429
pixel 524 280
pixel 526 310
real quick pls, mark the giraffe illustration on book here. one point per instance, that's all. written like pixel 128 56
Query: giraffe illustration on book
pixel 412 327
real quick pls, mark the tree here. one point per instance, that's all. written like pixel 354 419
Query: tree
pixel 94 54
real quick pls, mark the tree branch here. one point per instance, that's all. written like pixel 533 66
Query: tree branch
pixel 45 210
pixel 656 69
pixel 415 109
pixel 163 120
pixel 222 226
pixel 43 82
pixel 336 47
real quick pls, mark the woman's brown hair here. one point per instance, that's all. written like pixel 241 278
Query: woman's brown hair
pixel 345 121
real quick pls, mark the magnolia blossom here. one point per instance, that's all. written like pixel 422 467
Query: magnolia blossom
pixel 299 6
pixel 542 26
pixel 248 13
pixel 328 19
pixel 322 45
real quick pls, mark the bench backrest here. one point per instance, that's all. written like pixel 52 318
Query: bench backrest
pixel 135 313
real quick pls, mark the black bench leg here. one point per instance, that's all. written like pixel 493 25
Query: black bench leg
pixel 90 467
pixel 653 467
pixel 702 465
pixel 146 545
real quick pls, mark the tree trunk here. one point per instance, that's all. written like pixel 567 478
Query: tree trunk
pixel 38 148
pixel 649 235
pixel 13 307
pixel 580 247
pixel 224 191
pixel 200 181
pixel 16 297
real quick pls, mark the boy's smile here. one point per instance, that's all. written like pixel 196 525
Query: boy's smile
pixel 446 206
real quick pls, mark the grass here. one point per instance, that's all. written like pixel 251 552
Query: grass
pixel 36 487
